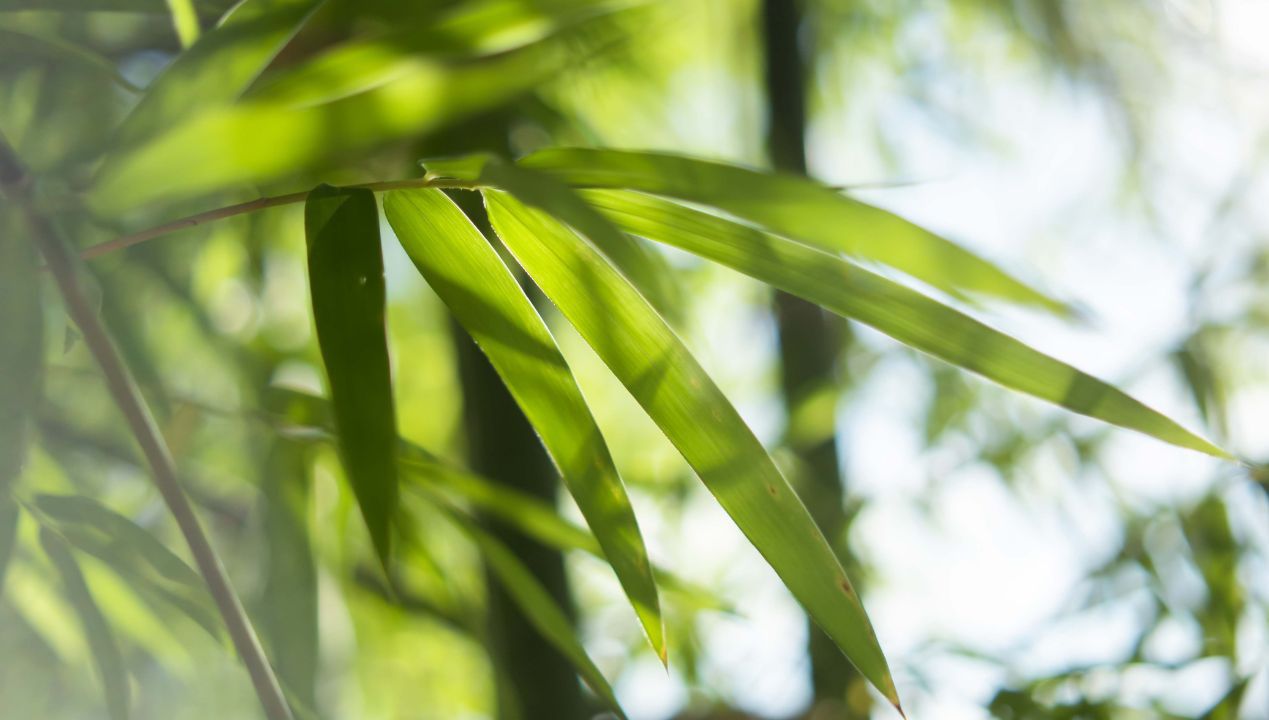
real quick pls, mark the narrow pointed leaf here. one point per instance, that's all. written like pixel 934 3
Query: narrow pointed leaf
pixel 541 610
pixel 896 310
pixel 646 268
pixel 466 272
pixel 138 557
pixel 101 640
pixel 664 377
pixel 534 518
pixel 799 209
pixel 345 268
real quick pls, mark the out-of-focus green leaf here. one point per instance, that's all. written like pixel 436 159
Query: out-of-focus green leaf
pixel 466 272
pixel 345 268
pixel 647 269
pixel 146 6
pixel 800 209
pixel 304 412
pixel 463 31
pixel 256 142
pixel 21 367
pixel 288 605
pixel 540 609
pixel 894 309
pixel 133 553
pixel 215 71
pixel 101 640
pixel 533 517
pixel 680 397
pixel 24 46
pixel 184 20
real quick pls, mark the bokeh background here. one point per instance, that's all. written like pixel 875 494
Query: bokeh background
pixel 1017 561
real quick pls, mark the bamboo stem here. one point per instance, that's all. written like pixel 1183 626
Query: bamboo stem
pixel 60 262
pixel 250 206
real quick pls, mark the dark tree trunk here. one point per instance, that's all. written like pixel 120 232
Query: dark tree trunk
pixel 810 340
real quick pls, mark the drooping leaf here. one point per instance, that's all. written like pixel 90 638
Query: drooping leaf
pixel 647 269
pixel 217 69
pixel 345 267
pixel 664 377
pixel 466 272
pixel 101 640
pixel 540 609
pixel 799 209
pixel 133 553
pixel 894 309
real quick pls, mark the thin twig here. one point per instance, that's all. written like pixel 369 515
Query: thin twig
pixel 250 206
pixel 15 184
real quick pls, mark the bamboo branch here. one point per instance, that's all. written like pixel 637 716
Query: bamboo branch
pixel 15 184
pixel 250 206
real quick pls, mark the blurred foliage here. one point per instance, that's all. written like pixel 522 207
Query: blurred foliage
pixel 214 322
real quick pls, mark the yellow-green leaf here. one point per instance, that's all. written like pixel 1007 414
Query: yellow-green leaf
pixel 101 639
pixel 466 272
pixel 664 377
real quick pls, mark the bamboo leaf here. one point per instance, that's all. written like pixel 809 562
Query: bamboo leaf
pixel 466 272
pixel 532 517
pixel 101 640
pixel 288 603
pixel 133 553
pixel 217 69
pixel 345 266
pixel 799 209
pixel 184 20
pixel 540 609
pixel 898 311
pixel 664 377
pixel 646 268
pixel 21 368
pixel 258 141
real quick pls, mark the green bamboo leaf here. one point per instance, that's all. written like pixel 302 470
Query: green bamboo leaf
pixel 21 367
pixel 664 377
pixel 258 141
pixel 184 20
pixel 345 268
pixel 217 69
pixel 531 516
pixel 799 209
pixel 101 640
pixel 540 609
pixel 133 553
pixel 898 311
pixel 466 272
pixel 431 475
pixel 20 46
pixel 287 615
pixel 646 268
